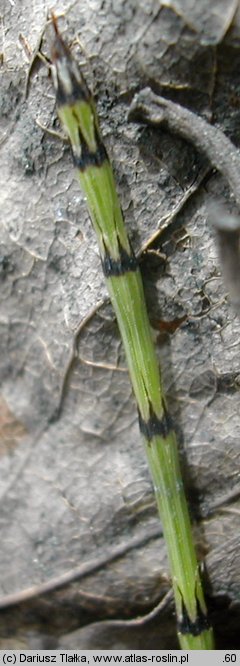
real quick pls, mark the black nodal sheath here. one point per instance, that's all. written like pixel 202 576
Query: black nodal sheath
pixel 117 267
pixel 78 89
pixel 88 158
pixel 79 92
pixel 155 426
pixel 187 626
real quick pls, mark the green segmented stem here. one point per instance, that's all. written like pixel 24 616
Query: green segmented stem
pixel 77 114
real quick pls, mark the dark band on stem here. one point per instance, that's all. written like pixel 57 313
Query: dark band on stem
pixel 70 88
pixel 117 267
pixel 155 426
pixel 88 158
pixel 79 92
pixel 196 627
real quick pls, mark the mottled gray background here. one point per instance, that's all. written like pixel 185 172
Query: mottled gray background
pixel 74 481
